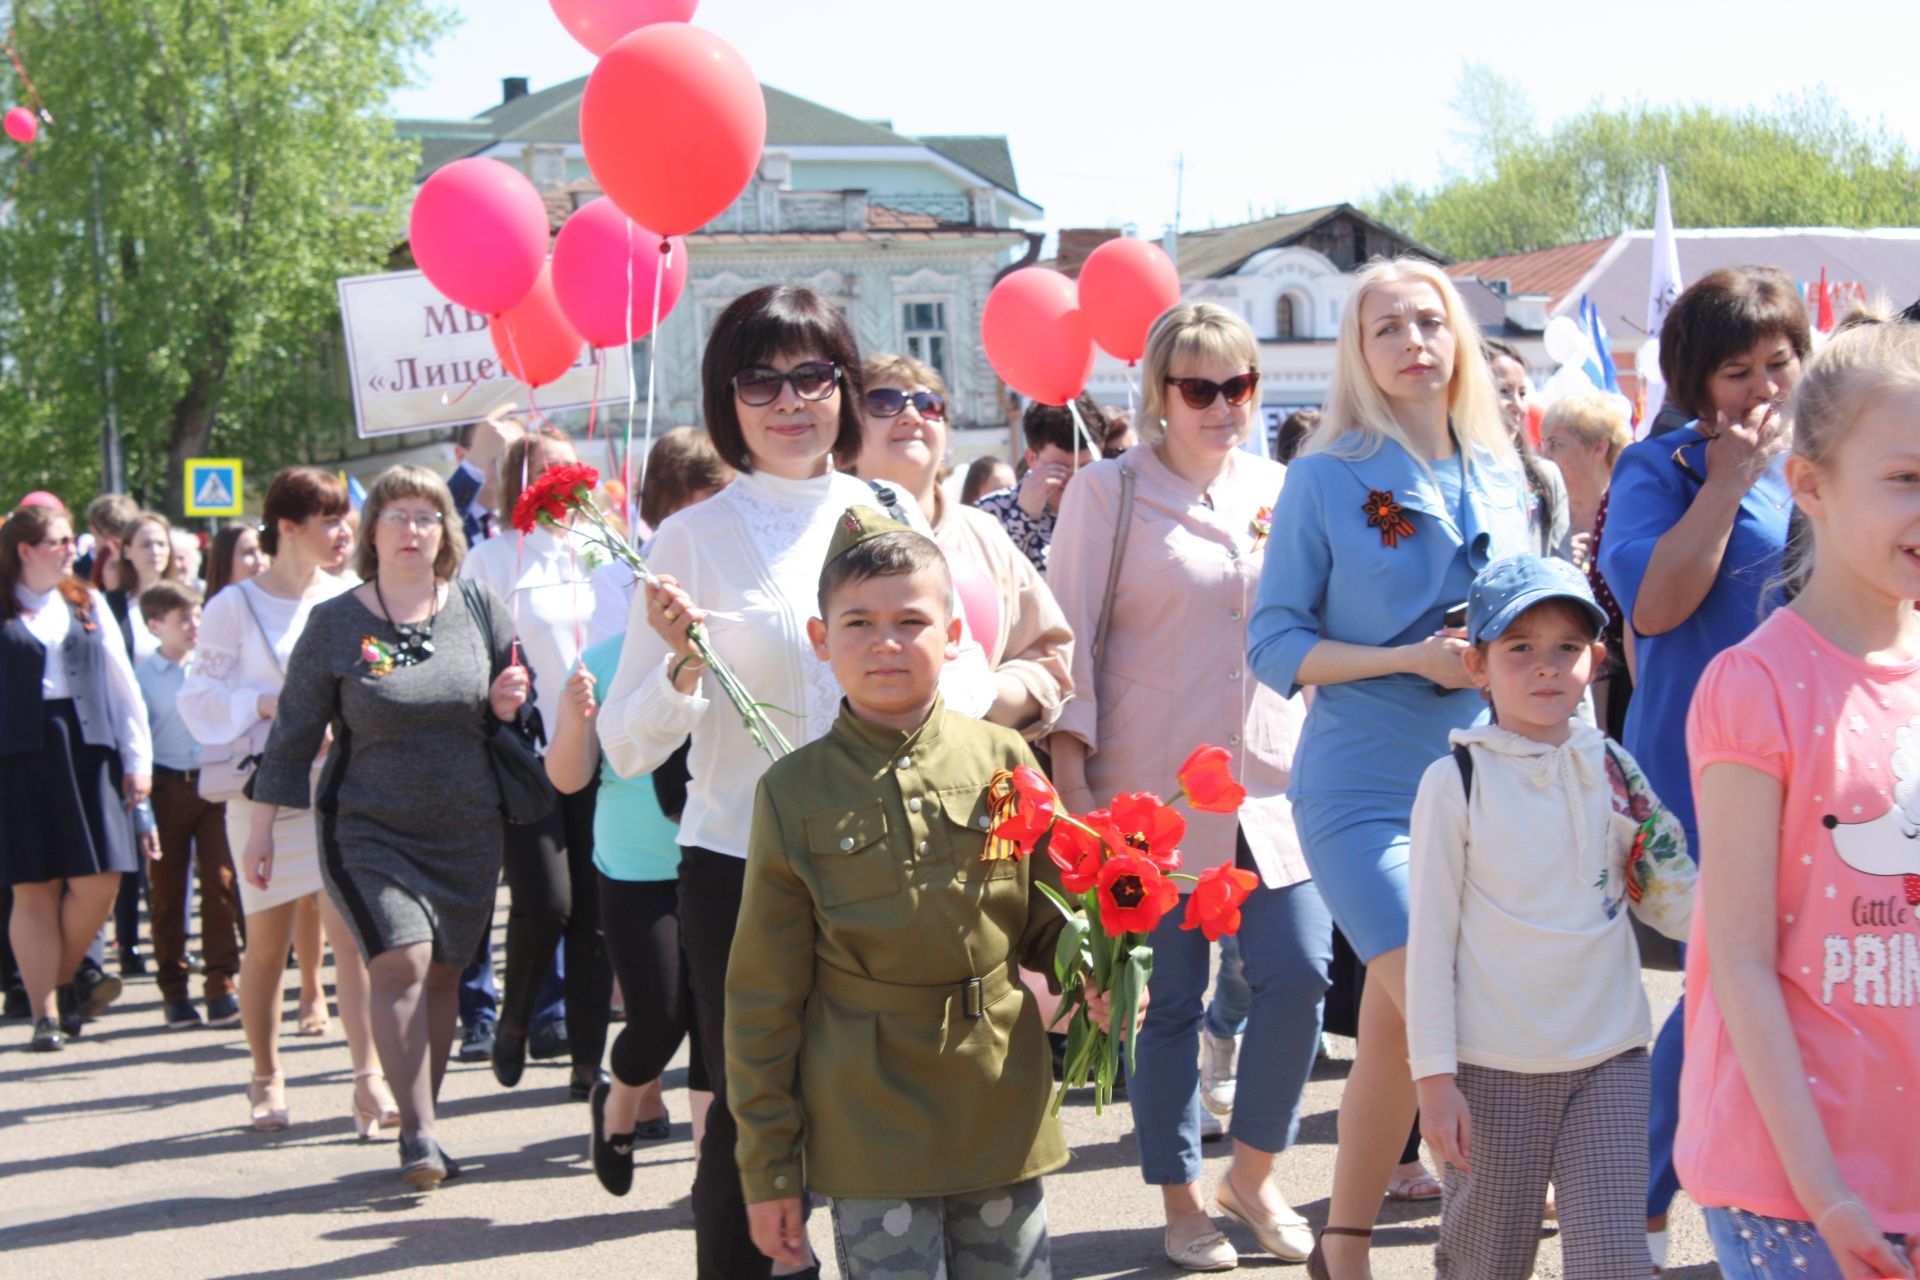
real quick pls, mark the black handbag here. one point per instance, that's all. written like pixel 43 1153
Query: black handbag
pixel 526 794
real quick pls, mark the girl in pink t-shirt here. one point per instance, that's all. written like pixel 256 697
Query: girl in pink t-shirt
pixel 1802 1081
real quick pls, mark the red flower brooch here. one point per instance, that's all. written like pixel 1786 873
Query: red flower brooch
pixel 1386 515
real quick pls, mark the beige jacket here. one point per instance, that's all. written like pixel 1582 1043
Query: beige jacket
pixel 1174 674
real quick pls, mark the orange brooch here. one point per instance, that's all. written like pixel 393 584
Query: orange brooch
pixel 1386 515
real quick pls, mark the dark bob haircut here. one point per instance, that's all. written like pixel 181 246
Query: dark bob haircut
pixel 759 328
pixel 885 556
pixel 1721 315
pixel 297 494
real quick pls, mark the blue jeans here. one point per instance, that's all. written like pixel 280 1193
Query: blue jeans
pixel 1752 1247
pixel 1663 1117
pixel 1286 945
pixel 480 996
pixel 1227 1011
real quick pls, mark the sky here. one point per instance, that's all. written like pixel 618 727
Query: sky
pixel 1275 105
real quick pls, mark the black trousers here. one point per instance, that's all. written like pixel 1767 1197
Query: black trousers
pixel 554 896
pixel 640 921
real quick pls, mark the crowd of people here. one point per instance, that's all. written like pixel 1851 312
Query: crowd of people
pixel 1495 684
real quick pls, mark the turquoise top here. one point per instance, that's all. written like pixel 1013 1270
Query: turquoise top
pixel 632 838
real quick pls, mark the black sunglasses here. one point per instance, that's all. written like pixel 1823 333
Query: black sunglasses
pixel 759 385
pixel 891 402
pixel 1199 392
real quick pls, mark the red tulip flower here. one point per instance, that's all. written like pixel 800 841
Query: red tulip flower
pixel 1150 828
pixel 1208 781
pixel 1025 809
pixel 1134 895
pixel 1214 905
pixel 1079 855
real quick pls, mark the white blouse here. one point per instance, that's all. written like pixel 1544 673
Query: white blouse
pixel 751 557
pixel 47 617
pixel 546 584
pixel 238 661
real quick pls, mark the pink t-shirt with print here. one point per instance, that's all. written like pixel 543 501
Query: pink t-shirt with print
pixel 1843 737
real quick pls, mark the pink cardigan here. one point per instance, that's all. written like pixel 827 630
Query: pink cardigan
pixel 1174 674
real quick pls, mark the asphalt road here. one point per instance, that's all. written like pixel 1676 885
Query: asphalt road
pixel 128 1155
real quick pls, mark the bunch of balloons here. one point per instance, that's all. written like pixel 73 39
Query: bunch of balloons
pixel 672 123
pixel 1039 328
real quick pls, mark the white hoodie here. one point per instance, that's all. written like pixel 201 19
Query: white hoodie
pixel 1520 954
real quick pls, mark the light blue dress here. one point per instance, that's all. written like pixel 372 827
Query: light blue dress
pixel 1332 575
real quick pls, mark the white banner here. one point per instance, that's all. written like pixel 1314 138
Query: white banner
pixel 417 360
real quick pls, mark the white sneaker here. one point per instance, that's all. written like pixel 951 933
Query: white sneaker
pixel 1219 1059
pixel 1211 1127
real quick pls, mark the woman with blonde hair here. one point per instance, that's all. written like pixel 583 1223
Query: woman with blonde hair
pixel 1407 489
pixel 413 671
pixel 1161 670
pixel 1583 434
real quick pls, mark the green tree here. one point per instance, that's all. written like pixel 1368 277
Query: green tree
pixel 212 167
pixel 1802 161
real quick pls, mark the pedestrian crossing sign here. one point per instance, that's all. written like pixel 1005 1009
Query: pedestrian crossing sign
pixel 213 487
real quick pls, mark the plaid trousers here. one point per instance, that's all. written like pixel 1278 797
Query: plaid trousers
pixel 1585 1132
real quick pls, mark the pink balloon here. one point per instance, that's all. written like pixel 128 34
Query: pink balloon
pixel 672 122
pixel 1036 336
pixel 591 261
pixel 1125 285
pixel 479 231
pixel 21 125
pixel 533 339
pixel 598 23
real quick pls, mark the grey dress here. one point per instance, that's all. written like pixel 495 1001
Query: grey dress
pixel 410 829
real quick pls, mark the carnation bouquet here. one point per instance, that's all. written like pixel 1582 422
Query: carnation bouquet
pixel 1118 866
pixel 562 499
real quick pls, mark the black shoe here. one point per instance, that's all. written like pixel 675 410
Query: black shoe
pixel 550 1040
pixel 453 1166
pixel 47 1037
pixel 477 1044
pixel 69 1005
pixel 581 1087
pixel 421 1165
pixel 659 1129
pixel 612 1158
pixel 181 1013
pixel 17 1004
pixel 223 1011
pixel 509 1058
pixel 96 989
pixel 132 963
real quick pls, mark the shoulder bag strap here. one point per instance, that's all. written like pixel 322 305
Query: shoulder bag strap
pixel 890 502
pixel 272 655
pixel 1463 758
pixel 1120 523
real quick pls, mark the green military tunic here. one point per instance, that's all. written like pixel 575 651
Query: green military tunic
pixel 875 1020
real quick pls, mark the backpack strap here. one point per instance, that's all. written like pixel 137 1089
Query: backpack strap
pixel 889 499
pixel 1464 758
pixel 1617 774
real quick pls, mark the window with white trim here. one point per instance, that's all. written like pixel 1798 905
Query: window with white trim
pixel 923 332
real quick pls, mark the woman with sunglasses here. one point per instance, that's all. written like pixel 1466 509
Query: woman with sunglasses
pixel 1008 606
pixel 1407 489
pixel 1692 540
pixel 780 383
pixel 1165 674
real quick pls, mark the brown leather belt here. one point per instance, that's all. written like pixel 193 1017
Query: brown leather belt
pixel 972 996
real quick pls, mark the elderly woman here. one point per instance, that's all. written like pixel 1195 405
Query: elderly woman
pixel 1409 487
pixel 1008 605
pixel 1162 670
pixel 412 671
pixel 780 382
pixel 1694 537
pixel 75 754
pixel 1583 435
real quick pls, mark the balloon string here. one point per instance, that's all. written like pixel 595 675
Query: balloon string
pixel 1132 393
pixel 626 457
pixel 1080 430
pixel 450 400
pixel 599 370
pixel 653 343
pixel 33 94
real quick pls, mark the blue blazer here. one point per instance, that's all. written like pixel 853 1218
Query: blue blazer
pixel 1330 575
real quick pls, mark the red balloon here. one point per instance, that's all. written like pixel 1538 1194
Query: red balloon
pixel 533 339
pixel 479 232
pixel 1036 337
pixel 594 257
pixel 672 122
pixel 21 125
pixel 598 23
pixel 1125 285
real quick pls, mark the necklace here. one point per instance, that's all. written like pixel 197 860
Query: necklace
pixel 416 638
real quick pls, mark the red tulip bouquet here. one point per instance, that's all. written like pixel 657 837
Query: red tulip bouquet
pixel 560 493
pixel 1118 866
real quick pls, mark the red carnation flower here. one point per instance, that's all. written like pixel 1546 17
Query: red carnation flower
pixel 1207 778
pixel 1134 895
pixel 1214 905
pixel 1150 828
pixel 553 494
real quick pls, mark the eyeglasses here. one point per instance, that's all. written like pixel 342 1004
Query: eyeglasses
pixel 1199 392
pixel 891 402
pixel 758 385
pixel 423 522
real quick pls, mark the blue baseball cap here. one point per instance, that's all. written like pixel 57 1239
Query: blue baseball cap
pixel 1508 588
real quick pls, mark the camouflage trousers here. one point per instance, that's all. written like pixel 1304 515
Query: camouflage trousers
pixel 997 1234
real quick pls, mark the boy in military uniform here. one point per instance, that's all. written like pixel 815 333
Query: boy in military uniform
pixel 881 1049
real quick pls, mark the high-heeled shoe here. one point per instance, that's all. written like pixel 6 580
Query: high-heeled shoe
pixel 370 1110
pixel 267 1102
pixel 1317 1261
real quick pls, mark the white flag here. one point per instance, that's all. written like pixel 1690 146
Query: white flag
pixel 1663 286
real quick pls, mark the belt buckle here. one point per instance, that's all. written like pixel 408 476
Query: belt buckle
pixel 973 998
